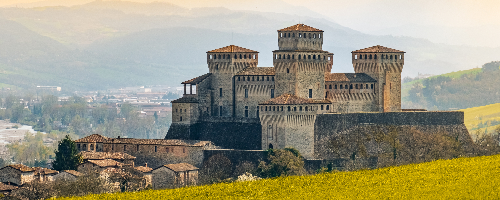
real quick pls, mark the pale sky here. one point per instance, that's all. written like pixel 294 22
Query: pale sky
pixel 462 22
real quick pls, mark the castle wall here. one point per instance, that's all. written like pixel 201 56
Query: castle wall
pixel 298 40
pixel 204 93
pixel 185 113
pixel 330 125
pixel 258 92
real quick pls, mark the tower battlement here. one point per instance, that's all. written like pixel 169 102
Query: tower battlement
pixel 300 37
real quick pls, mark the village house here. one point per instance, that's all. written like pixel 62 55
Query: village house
pixel 5 189
pixel 98 165
pixel 67 175
pixel 147 172
pixel 44 174
pixel 121 157
pixel 174 175
pixel 17 175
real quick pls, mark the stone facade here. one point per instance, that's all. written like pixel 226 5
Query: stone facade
pixel 174 175
pixel 17 174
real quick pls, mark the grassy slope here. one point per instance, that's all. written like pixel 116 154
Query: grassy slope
pixel 462 178
pixel 475 115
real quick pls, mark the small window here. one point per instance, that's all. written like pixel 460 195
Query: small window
pixel 300 35
pixel 350 87
pixel 243 78
pixel 356 86
pixel 272 93
pixel 184 150
pixel 327 107
pixel 375 56
pixel 300 108
pixel 287 70
pixel 137 147
pixel 299 57
pixel 180 110
pixel 288 108
pixel 330 87
pixel 366 86
pixel 245 56
pixel 257 78
pixel 321 107
pixel 372 86
pixel 91 147
pixel 272 78
pixel 246 113
pixel 335 86
pixel 167 149
pixel 314 57
pixel 370 56
pixel 156 148
pixel 274 108
pixel 253 78
pixel 341 87
pixel 238 78
pixel 220 111
pixel 267 78
pixel 220 89
pixel 294 108
pixel 310 93
pixel 257 111
pixel 306 108
pixel 309 57
pixel 246 93
pixel 124 147
pixel 345 87
pixel 235 56
pixel 360 86
pixel 180 119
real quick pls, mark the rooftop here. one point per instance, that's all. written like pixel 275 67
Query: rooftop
pixel 90 155
pixel 301 27
pixel 5 187
pixel 92 138
pixel 378 49
pixel 41 170
pixel 186 99
pixel 172 142
pixel 289 99
pixel 106 163
pixel 143 169
pixel 21 167
pixel 232 49
pixel 180 167
pixel 349 77
pixel 257 71
pixel 73 172
pixel 197 80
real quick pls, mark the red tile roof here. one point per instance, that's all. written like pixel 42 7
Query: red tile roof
pixel 21 167
pixel 348 77
pixel 232 49
pixel 289 99
pixel 106 163
pixel 92 138
pixel 144 169
pixel 257 71
pixel 41 170
pixel 301 27
pixel 180 167
pixel 90 155
pixel 378 49
pixel 197 80
pixel 172 142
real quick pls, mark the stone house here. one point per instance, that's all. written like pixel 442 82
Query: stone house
pixel 67 175
pixel 174 175
pixel 5 189
pixel 44 174
pixel 98 165
pixel 92 142
pixel 18 174
pixel 147 172
pixel 121 157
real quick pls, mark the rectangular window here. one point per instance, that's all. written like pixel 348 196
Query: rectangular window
pixel 335 86
pixel 246 113
pixel 220 110
pixel 270 132
pixel 137 147
pixel 220 92
pixel 124 147
pixel 246 93
pixel 310 93
pixel 272 93
pixel 372 86
pixel 257 111
pixel 321 107
pixel 156 148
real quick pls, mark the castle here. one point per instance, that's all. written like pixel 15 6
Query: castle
pixel 284 101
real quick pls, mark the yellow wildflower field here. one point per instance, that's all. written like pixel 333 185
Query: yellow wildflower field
pixel 461 178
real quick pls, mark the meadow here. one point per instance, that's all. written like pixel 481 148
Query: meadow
pixel 484 115
pixel 461 178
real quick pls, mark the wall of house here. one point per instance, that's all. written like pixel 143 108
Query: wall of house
pixel 193 178
pixel 64 176
pixel 258 92
pixel 185 113
pixel 193 156
pixel 89 146
pixel 8 174
pixel 163 178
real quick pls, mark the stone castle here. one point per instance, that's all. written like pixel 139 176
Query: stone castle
pixel 238 103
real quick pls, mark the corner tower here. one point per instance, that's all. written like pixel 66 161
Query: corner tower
pixel 384 65
pixel 300 62
pixel 224 63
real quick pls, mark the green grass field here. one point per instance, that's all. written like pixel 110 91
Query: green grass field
pixel 462 178
pixel 481 114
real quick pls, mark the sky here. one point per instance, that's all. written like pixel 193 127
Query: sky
pixel 456 22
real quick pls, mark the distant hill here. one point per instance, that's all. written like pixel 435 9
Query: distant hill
pixel 458 90
pixel 482 119
pixel 101 45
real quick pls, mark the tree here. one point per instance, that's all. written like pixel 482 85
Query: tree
pixel 67 157
pixel 282 162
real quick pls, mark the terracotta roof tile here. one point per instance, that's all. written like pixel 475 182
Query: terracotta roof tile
pixel 92 138
pixel 172 142
pixel 144 169
pixel 181 167
pixel 197 80
pixel 257 71
pixel 21 167
pixel 73 172
pixel 378 49
pixel 232 49
pixel 41 170
pixel 348 77
pixel 186 99
pixel 289 99
pixel 106 163
pixel 301 27
pixel 90 155
pixel 5 187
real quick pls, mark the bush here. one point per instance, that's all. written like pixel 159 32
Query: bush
pixel 282 162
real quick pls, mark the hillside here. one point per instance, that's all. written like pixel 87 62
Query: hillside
pixel 462 178
pixel 453 91
pixel 482 119
pixel 112 44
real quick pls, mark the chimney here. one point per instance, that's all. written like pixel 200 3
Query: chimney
pixel 146 165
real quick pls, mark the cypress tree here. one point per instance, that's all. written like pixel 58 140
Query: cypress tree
pixel 67 157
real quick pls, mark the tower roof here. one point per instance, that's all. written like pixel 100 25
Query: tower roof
pixel 349 77
pixel 197 80
pixel 290 99
pixel 232 49
pixel 378 49
pixel 301 27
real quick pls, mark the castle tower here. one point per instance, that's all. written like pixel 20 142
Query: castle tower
pixel 300 62
pixel 224 63
pixel 385 66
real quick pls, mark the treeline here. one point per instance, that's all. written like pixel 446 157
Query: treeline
pixel 469 90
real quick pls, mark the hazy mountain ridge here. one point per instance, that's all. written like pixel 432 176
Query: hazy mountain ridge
pixel 106 47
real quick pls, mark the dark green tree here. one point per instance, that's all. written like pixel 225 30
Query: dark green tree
pixel 67 157
pixel 282 162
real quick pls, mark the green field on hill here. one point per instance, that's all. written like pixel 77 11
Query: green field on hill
pixel 482 118
pixel 461 178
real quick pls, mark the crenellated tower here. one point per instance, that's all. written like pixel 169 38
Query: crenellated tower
pixel 300 62
pixel 385 66
pixel 224 63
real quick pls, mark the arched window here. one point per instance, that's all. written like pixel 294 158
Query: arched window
pixel 327 107
pixel 366 86
pixel 288 34
pixel 370 56
pixel 180 119
pixel 314 57
pixel 355 57
pixel 321 107
pixel 245 56
pixel 275 56
pixel 254 56
pixel 219 56
pixel 241 57
pixel 288 57
pixel 300 35
pixel 306 108
pixel 309 35
pixel 253 78
pixel 346 87
pixel 356 86
pixel 210 56
pixel 281 34
pixel 325 87
pixel 330 87
pixel 288 108
pixel 267 78
pixel 390 57
pixel 341 87
pixel 326 95
pixel 299 57
pixel 224 56
pixel 400 57
pixel 270 146
pixel 309 57
pixel 243 78
pixel 293 56
pixel 287 70
pixel 217 67
pixel 372 86
pixel 280 56
pixel 314 35
pixel 227 56
pixel 238 78
pixel 350 87
pixel 395 57
pixel 91 147
pixel 360 86
pixel 319 35
pixel 235 56
pixel 300 108
pixel 335 86
pixel 294 108
pixel 375 57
